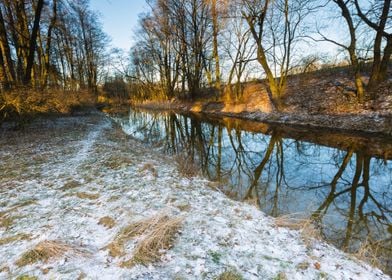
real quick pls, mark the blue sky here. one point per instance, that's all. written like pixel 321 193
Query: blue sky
pixel 119 18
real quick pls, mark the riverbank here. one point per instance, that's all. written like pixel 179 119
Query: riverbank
pixel 368 121
pixel 319 99
pixel 82 199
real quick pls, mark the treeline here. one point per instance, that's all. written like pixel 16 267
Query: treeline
pixel 50 44
pixel 184 46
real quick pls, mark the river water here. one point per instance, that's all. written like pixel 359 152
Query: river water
pixel 339 181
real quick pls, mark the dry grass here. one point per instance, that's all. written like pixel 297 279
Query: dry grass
pixel 26 277
pixel 230 275
pixel 157 235
pixel 376 253
pixel 14 238
pixel 116 162
pixel 70 185
pixel 45 251
pixel 24 101
pixel 186 166
pixel 306 226
pixel 149 167
pixel 89 196
pixel 107 222
pixel 160 239
pixel 6 221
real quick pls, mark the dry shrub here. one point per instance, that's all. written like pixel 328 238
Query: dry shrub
pixel 186 166
pixel 158 234
pixel 24 101
pixel 45 251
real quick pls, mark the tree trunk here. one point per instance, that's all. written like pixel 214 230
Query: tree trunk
pixel 215 46
pixel 7 63
pixel 49 45
pixel 33 43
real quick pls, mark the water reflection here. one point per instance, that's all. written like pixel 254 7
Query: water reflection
pixel 342 182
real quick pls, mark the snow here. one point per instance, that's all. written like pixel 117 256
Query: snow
pixel 217 233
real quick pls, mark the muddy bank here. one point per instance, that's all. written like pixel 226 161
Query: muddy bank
pixel 368 122
pixel 79 198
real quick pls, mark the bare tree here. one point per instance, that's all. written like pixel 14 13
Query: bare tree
pixel 275 27
pixel 377 18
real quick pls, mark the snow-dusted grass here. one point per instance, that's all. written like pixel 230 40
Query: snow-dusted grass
pixel 79 182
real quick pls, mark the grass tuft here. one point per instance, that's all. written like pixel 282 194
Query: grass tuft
pixel 11 239
pixel 230 275
pixel 89 196
pixel 157 235
pixel 107 222
pixel 159 239
pixel 149 167
pixel 45 251
pixel 309 231
pixel 6 221
pixel 70 185
pixel 186 166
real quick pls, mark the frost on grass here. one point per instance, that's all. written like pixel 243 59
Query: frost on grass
pixel 159 238
pixel 74 175
pixel 45 251
pixel 155 235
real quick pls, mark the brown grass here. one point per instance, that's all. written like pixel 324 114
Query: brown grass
pixel 6 221
pixel 107 222
pixel 70 185
pixel 149 167
pixel 186 166
pixel 370 252
pixel 14 238
pixel 160 238
pixel 45 251
pixel 306 226
pixel 157 234
pixel 24 101
pixel 89 196
pixel 116 162
pixel 230 275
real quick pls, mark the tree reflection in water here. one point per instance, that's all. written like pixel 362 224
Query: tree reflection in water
pixel 341 182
